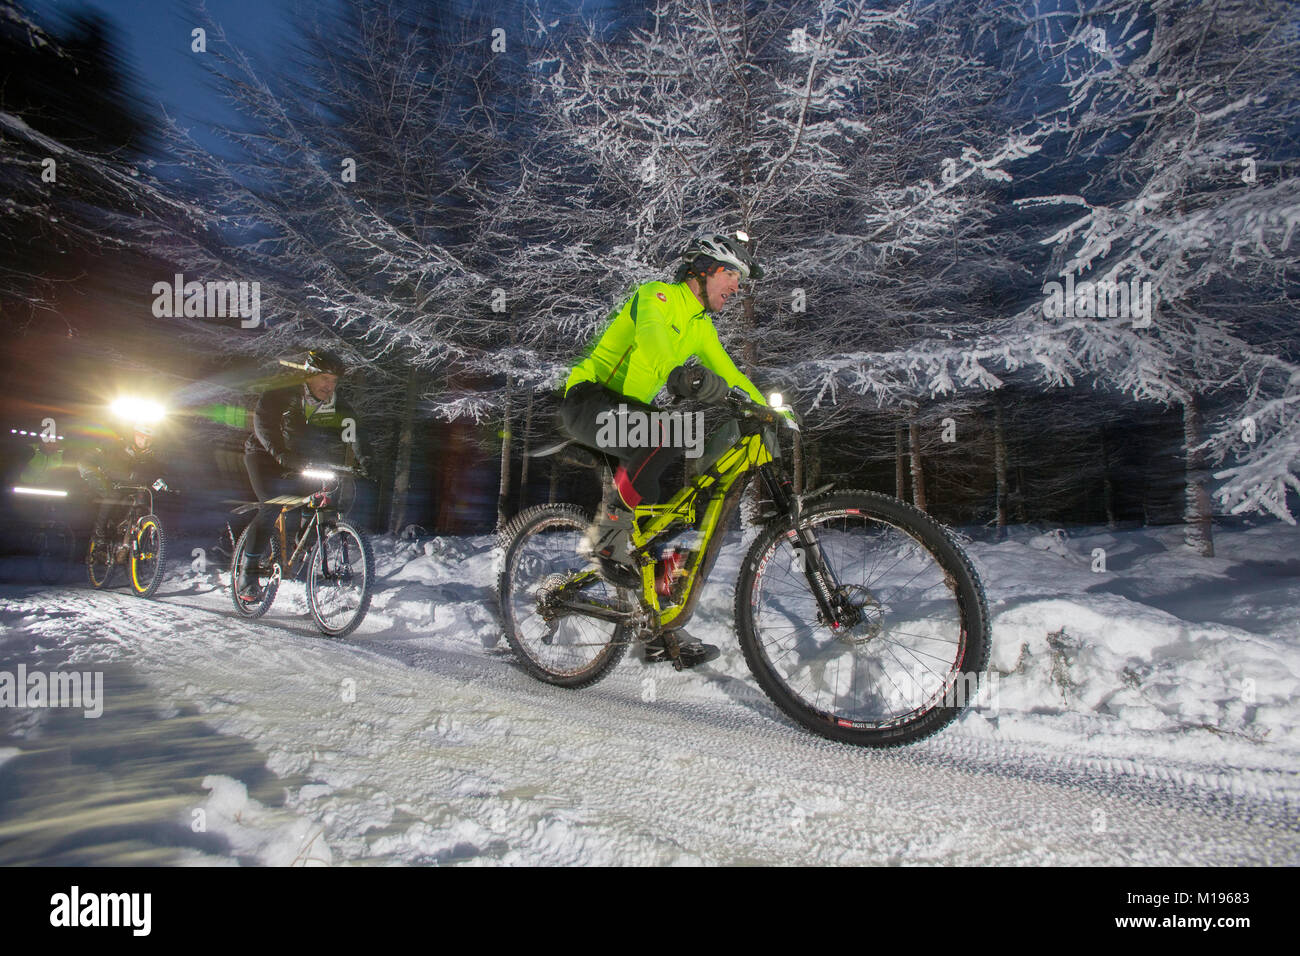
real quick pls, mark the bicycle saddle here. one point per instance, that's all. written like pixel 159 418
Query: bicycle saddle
pixel 574 452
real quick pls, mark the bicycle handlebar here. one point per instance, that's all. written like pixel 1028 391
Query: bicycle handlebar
pixel 166 489
pixel 740 402
pixel 325 472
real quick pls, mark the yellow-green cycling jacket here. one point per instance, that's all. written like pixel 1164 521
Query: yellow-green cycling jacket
pixel 655 331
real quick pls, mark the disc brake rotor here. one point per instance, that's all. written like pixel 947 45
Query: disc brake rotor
pixel 861 615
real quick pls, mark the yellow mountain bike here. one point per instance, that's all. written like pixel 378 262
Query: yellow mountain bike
pixel 138 541
pixel 859 615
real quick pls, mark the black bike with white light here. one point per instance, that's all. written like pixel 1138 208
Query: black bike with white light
pixel 137 542
pixel 330 554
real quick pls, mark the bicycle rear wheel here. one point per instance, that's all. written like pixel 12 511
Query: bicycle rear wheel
pixel 268 578
pixel 148 556
pixel 913 638
pixel 542 580
pixel 101 564
pixel 340 579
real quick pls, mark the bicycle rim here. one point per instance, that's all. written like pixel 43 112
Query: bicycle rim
pixel 269 584
pixel 147 557
pixel 99 563
pixel 567 648
pixel 338 587
pixel 901 657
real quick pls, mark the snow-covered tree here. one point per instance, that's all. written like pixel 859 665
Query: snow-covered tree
pixel 73 176
pixel 1184 116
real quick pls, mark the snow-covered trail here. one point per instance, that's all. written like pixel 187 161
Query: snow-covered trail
pixel 457 755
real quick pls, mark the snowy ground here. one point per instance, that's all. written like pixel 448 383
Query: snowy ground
pixel 1147 714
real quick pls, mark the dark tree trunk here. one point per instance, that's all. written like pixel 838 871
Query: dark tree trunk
pixel 1107 483
pixel 1196 501
pixel 797 461
pixel 523 461
pixel 402 469
pixel 918 476
pixel 503 490
pixel 1022 515
pixel 1000 467
pixel 900 465
pixel 813 463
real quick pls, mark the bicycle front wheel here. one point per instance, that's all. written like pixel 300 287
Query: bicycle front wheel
pixel 912 637
pixel 340 579
pixel 148 556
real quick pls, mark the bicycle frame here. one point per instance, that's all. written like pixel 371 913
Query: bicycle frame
pixel 721 485
pixel 723 482
pixel 133 512
pixel 717 482
pixel 314 523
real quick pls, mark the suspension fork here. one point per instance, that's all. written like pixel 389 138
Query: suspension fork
pixel 808 553
pixel 320 548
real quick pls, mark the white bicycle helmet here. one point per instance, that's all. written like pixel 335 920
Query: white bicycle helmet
pixel 731 251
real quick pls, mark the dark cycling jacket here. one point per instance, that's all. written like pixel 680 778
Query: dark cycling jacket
pixel 122 462
pixel 283 425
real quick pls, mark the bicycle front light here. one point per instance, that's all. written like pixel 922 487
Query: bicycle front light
pixel 316 474
pixel 48 492
pixel 141 410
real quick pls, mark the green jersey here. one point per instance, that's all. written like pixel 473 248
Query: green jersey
pixel 655 331
pixel 46 470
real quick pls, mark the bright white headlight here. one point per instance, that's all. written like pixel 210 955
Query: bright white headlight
pixel 776 400
pixel 316 475
pixel 140 410
pixel 49 492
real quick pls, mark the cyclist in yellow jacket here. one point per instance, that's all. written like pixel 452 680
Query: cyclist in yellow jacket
pixel 646 346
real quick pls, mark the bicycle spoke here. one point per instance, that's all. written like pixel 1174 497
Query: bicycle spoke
pixel 338 580
pixel 871 670
pixel 544 598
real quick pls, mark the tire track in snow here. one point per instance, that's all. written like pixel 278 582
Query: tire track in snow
pixel 448 756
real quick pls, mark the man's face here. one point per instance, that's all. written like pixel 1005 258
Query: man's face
pixel 322 386
pixel 722 284
pixel 143 441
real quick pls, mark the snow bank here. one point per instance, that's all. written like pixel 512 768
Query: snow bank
pixel 259 834
pixel 1120 653
pixel 1099 639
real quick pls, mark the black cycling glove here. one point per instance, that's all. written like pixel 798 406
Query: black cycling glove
pixel 289 461
pixel 697 382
